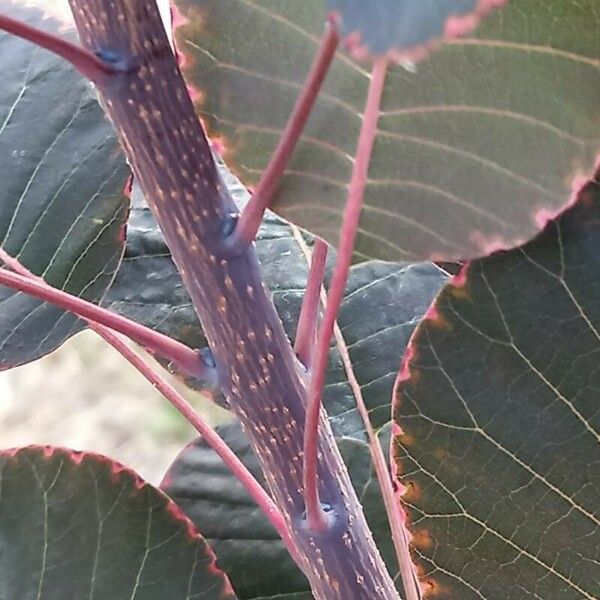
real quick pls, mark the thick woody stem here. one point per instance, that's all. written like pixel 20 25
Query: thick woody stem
pixel 252 215
pixel 314 510
pixel 190 361
pixel 307 322
pixel 172 161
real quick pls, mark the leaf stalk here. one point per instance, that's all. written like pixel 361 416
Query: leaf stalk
pixel 252 215
pixel 95 67
pixel 307 322
pixel 187 359
pixel 314 511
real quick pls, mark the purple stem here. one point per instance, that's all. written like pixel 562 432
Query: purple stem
pixel 307 322
pixel 171 159
pixel 314 511
pixel 252 215
pixel 185 358
pixel 88 64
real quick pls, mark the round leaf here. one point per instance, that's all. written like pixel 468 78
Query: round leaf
pixel 498 425
pixel 475 149
pixel 63 207
pixel 80 526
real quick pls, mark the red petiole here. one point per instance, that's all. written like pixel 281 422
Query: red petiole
pixel 314 510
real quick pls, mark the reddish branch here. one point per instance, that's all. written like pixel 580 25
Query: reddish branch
pixel 358 182
pixel 96 68
pixel 252 215
pixel 156 343
pixel 307 322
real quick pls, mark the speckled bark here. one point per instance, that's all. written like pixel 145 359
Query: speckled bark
pixel 169 153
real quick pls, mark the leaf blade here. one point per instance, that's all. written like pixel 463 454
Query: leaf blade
pixel 473 150
pixel 500 379
pixel 63 206
pixel 80 526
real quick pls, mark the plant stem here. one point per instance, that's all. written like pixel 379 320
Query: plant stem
pixel 172 161
pixel 358 182
pixel 252 215
pixel 235 465
pixel 307 322
pixel 156 343
pixel 87 63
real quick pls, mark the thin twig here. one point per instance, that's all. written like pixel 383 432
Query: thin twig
pixel 307 322
pixel 252 215
pixel 94 68
pixel 187 359
pixel 314 511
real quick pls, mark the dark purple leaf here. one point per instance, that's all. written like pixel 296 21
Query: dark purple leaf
pixel 63 206
pixel 498 421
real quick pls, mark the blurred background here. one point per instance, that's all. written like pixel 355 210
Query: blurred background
pixel 85 396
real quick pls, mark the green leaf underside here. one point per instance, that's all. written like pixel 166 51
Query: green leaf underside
pixel 62 203
pixel 499 411
pixel 79 526
pixel 383 304
pixel 473 149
